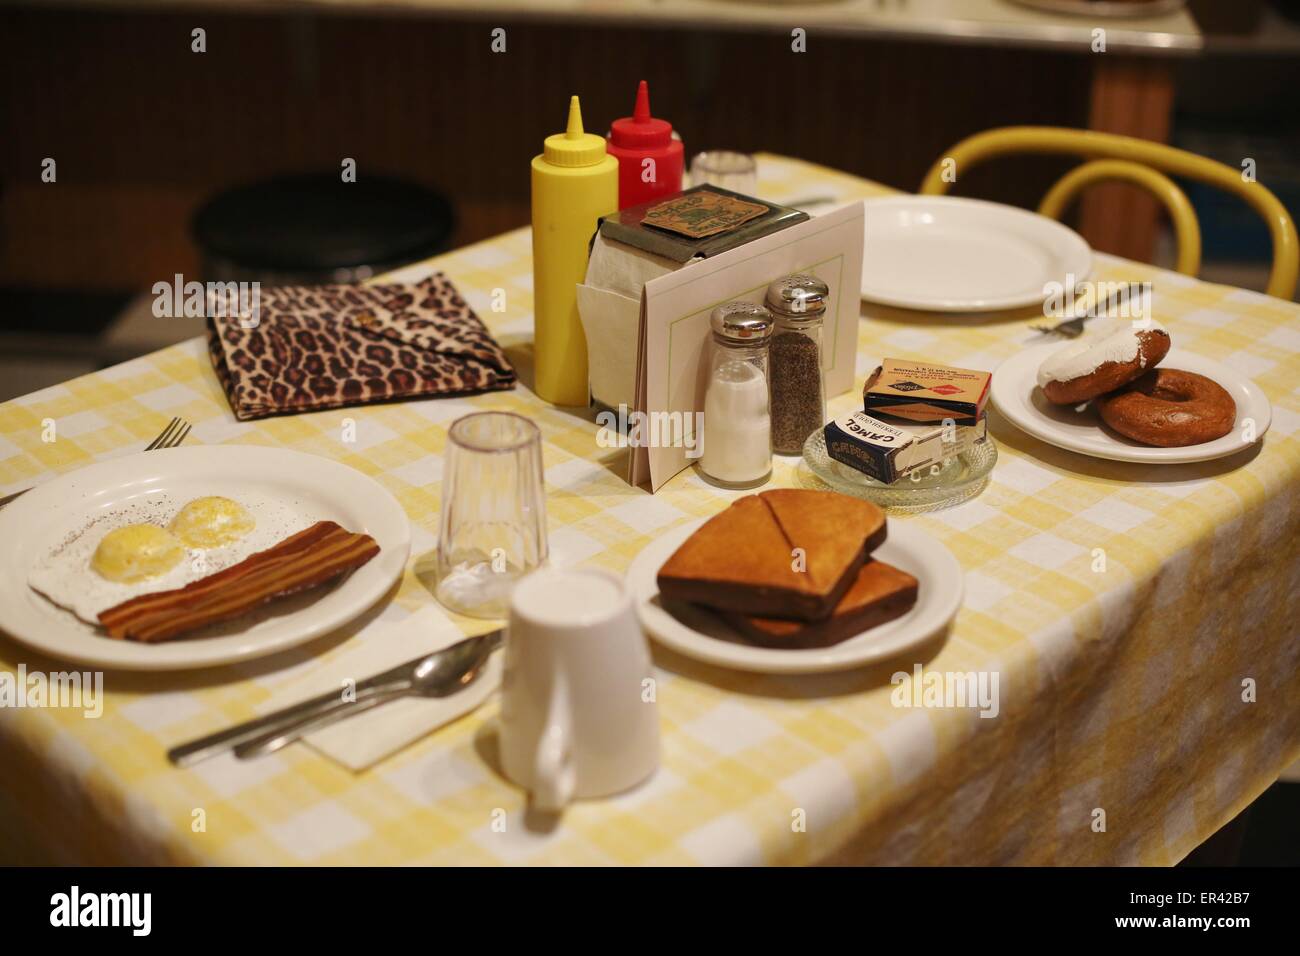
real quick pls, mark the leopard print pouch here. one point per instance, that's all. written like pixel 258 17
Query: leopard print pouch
pixel 317 347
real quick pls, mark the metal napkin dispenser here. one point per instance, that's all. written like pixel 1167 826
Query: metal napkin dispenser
pixel 640 243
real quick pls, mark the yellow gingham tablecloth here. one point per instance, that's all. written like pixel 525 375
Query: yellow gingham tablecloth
pixel 1123 734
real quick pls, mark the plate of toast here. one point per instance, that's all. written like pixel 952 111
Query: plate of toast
pixel 795 581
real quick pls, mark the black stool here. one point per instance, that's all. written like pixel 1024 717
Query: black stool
pixel 311 229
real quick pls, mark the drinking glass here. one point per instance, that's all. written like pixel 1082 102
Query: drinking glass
pixel 723 167
pixel 492 530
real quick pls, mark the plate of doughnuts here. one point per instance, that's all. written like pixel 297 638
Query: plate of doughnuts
pixel 1128 393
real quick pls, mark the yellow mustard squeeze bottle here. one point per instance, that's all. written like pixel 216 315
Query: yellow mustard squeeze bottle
pixel 574 183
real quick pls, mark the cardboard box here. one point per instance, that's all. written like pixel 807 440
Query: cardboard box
pixel 926 391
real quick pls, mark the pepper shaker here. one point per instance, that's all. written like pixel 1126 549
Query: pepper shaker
pixel 737 449
pixel 798 306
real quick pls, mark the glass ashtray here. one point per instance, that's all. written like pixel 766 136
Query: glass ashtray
pixel 941 486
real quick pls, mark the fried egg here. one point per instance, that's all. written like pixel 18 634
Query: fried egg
pixel 159 543
pixel 211 522
pixel 136 552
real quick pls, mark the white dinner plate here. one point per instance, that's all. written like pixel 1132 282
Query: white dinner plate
pixel 700 634
pixel 947 254
pixel 1017 397
pixel 317 486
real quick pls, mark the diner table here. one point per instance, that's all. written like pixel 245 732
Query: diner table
pixel 1142 620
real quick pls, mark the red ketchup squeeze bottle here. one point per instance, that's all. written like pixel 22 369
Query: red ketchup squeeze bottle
pixel 649 159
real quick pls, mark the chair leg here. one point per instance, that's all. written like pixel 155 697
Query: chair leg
pixel 1133 97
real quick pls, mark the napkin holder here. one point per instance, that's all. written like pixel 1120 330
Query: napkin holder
pixel 626 253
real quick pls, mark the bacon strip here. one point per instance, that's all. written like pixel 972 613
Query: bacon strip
pixel 308 559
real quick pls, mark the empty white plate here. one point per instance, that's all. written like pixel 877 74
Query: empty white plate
pixel 945 254
pixel 1017 397
pixel 697 633
pixel 318 487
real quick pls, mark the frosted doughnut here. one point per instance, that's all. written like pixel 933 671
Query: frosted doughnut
pixel 1084 370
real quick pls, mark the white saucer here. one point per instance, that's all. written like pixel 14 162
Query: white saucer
pixel 698 633
pixel 321 486
pixel 947 254
pixel 1018 399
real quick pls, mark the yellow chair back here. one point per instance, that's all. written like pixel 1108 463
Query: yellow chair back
pixel 1137 161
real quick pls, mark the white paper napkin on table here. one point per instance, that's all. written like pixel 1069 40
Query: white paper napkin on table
pixel 360 741
pixel 609 307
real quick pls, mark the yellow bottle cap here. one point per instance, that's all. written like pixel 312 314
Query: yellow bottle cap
pixel 573 147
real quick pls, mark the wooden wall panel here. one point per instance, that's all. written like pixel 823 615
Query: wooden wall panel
pixel 143 130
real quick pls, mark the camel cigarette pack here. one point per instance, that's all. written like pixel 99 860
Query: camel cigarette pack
pixel 888 451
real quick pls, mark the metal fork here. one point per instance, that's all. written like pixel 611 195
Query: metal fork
pixel 169 437
pixel 1072 327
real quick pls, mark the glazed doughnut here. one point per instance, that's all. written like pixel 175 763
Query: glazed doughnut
pixel 1081 371
pixel 1170 408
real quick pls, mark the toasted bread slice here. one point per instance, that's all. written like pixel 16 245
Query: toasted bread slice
pixel 788 553
pixel 880 593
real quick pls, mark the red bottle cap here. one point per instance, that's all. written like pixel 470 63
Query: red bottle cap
pixel 641 129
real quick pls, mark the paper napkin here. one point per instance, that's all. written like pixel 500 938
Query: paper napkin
pixel 360 741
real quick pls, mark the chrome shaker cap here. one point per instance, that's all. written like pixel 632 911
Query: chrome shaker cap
pixel 741 322
pixel 802 295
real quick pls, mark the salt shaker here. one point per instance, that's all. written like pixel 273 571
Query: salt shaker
pixel 737 449
pixel 798 306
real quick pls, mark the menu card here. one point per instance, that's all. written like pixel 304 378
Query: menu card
pixel 673 336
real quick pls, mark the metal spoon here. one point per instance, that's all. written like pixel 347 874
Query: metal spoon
pixel 438 675
pixel 399 677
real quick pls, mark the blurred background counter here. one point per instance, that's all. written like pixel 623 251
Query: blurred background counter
pixel 1007 22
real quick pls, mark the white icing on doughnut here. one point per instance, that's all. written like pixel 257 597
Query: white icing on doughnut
pixel 1083 358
